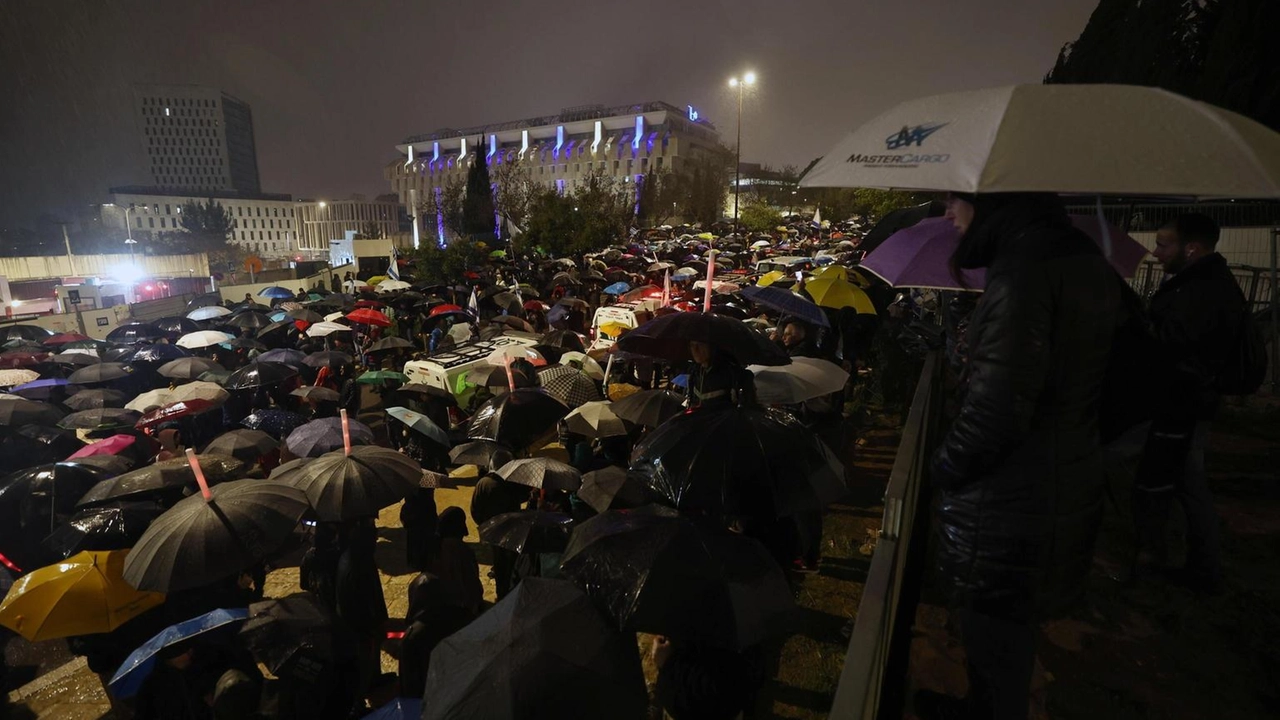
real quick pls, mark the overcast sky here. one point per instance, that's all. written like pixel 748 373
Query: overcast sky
pixel 335 85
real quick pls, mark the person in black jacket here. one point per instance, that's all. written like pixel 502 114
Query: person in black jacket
pixel 1019 477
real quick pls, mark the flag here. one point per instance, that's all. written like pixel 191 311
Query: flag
pixel 393 270
pixel 666 288
pixel 817 216
pixel 473 303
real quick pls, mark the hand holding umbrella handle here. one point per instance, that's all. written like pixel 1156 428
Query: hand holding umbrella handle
pixel 346 432
pixel 195 468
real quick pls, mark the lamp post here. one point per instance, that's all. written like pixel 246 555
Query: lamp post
pixel 748 78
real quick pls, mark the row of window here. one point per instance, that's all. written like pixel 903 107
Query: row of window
pixel 178 133
pixel 248 235
pixel 257 212
pixel 180 102
pixel 288 224
pixel 172 122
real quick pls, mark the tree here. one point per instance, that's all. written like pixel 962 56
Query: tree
pixel 759 216
pixel 477 204
pixel 596 214
pixel 444 203
pixel 515 193
pixel 703 185
pixel 206 228
pixel 445 265
pixel 659 198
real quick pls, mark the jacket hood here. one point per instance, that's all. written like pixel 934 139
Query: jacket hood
pixel 999 218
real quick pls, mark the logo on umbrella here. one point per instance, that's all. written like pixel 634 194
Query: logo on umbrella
pixel 912 135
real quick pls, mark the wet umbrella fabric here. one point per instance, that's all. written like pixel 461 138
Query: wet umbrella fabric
pixel 100 419
pixel 318 437
pixel 532 530
pixel 483 453
pixel 78 358
pixel 787 302
pixel 280 630
pixel 37 445
pixel 203 339
pixel 116 526
pixel 34 501
pixel 543 473
pixel 344 487
pixel 421 424
pixel 43 389
pixel 283 356
pixel 166 479
pixel 368 316
pixel 390 343
pixel 96 398
pixel 649 408
pixel 569 385
pixel 329 359
pixel 199 541
pixel 134 671
pixel 316 393
pixel 100 373
pixel 106 446
pixel 188 368
pixel 175 410
pixel 543 651
pixel 247 446
pixel 668 337
pixel 276 423
pixel 248 320
pixel 162 352
pixel 24 332
pixel 596 420
pixel 209 312
pixel 516 419
pixel 259 374
pixel 401 708
pixel 804 379
pixel 135 332
pixel 611 488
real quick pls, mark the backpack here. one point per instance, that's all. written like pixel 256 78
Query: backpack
pixel 1245 367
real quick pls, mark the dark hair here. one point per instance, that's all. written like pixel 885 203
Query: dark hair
pixel 1195 228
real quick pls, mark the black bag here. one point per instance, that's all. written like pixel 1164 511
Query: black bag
pixel 1246 365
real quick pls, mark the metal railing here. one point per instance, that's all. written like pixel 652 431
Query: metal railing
pixel 1255 282
pixel 873 681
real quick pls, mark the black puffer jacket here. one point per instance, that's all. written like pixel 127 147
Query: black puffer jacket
pixel 1019 473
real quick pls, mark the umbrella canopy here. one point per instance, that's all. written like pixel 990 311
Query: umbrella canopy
pixel 617 288
pixel 109 527
pixel 96 398
pixel 563 339
pixel 247 446
pixel 569 385
pixel 106 446
pixel 654 571
pixel 328 358
pixel 36 500
pixel 596 420
pixel 76 357
pixel 611 488
pixel 430 394
pixel 831 292
pixel 583 362
pixel 44 389
pixel 134 671
pixel 200 541
pixel 203 339
pixel 24 332
pixel 209 312
pixel 804 379
pixel 199 390
pixel 100 373
pixel 390 343
pixel 486 454
pixel 135 332
pixel 542 651
pixel 543 473
pixel 316 393
pixel 997 140
pixel 150 400
pixel 174 326
pixel 517 418
pixel 507 353
pixel 788 303
pixel 188 368
pixel 532 530
pixel 63 339
pixel 159 353
pixel 649 408
pixel 173 411
pixel 322 329
pixel 280 630
pixel 305 315
pixel 276 292
pixel 283 356
pixel 368 316
pixel 82 595
pixel 259 374
pixel 344 487
pixel 401 708
pixel 276 423
pixel 668 337
pixel 420 424
pixel 166 480
pixel 318 437
pixel 22 358
pixel 381 377
pixel 100 419
pixel 738 462
pixel 248 320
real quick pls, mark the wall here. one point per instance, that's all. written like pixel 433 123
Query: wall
pixel 38 267
pixel 109 317
pixel 236 292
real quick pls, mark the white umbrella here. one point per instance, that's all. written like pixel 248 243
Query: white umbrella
pixel 321 329
pixel 502 355
pixel 1084 139
pixel 760 244
pixel 331 317
pixel 203 339
pixel 149 399
pixel 393 285
pixel 584 362
pixel 595 419
pixel 199 390
pixel 208 313
pixel 802 379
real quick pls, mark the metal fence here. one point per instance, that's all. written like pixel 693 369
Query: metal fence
pixel 873 681
pixel 1254 281
pixel 1135 217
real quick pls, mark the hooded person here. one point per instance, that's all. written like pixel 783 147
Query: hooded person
pixel 455 563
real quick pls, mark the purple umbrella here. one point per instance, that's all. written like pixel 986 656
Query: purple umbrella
pixel 325 435
pixel 918 256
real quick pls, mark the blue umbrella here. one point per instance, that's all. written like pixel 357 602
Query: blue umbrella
pixel 785 301
pixel 135 669
pixel 276 291
pixel 681 380
pixel 41 389
pixel 617 288
pixel 325 435
pixel 163 352
pixel 278 316
pixel 557 314
pixel 398 709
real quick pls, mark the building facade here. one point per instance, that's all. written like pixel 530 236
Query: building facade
pixel 322 221
pixel 196 139
pixel 625 142
pixel 266 225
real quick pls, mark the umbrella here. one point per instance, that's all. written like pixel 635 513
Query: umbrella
pixel 569 384
pixel 248 320
pixel 276 423
pixel 63 339
pixel 421 424
pixel 24 332
pixel 199 541
pixel 162 352
pixel 188 368
pixel 401 708
pixel 245 343
pixel 611 488
pixel 276 292
pixel 106 446
pixel 282 629
pixel 595 420
pixel 286 328
pixel 804 379
pixel 321 329
pixel 445 309
pixel 328 358
pixel 543 473
pixel 22 359
pixel 513 322
pixel 738 462
pixel 390 343
pixel 34 501
pixel 247 446
pixel 517 418
pixel 542 651
pixel 39 389
pixel 96 398
pixel 209 312
pixel 134 671
pixel 787 302
pixel 532 530
pixel 325 435
pixel 343 486
pixel 305 315
pixel 994 140
pixel 381 377
pixel 100 419
pixel 165 480
pixel 835 293
pixel 259 374
pixel 173 326
pixel 199 390
pixel 109 527
pixel 392 285
pixel 203 339
pixel 432 480
pixel 82 595
pixel 75 357
pixel 173 411
pixel 316 393
pixel 617 288
pixel 501 356
pixel 649 408
pixel 100 373
pixel 583 362
pixel 135 332
pixel 486 454
pixel 668 337
pixel 430 394
pixel 283 356
pixel 563 339
pixel 654 571
pixel 368 316
pixel 150 400
pixel 109 465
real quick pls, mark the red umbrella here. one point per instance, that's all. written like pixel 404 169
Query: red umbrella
pixel 21 359
pixel 369 316
pixel 106 446
pixel 442 309
pixel 195 406
pixel 64 338
pixel 536 306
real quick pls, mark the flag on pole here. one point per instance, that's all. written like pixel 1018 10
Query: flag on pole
pixel 666 288
pixel 393 270
pixel 817 216
pixel 473 303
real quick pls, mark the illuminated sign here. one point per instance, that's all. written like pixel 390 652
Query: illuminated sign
pixel 693 114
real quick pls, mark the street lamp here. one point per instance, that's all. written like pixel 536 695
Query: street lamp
pixel 128 228
pixel 748 78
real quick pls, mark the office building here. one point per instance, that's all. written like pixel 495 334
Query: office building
pixel 196 139
pixel 321 222
pixel 265 224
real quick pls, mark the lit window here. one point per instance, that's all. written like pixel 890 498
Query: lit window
pixel 166 112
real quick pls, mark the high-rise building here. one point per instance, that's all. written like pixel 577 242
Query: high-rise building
pixel 196 139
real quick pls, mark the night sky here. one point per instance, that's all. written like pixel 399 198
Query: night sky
pixel 334 85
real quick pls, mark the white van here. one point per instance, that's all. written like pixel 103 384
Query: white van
pixel 789 264
pixel 629 315
pixel 448 370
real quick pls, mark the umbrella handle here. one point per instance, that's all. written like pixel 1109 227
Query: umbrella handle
pixel 346 432
pixel 200 479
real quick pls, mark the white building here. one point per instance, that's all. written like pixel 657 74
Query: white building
pixel 196 139
pixel 265 224
pixel 320 222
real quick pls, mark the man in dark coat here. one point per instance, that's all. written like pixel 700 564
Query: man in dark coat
pixel 1019 475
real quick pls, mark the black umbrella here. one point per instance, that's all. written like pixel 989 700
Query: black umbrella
pixel 738 462
pixel 532 530
pixel 611 488
pixel 258 375
pixel 486 454
pixel 668 337
pixel 654 571
pixel 284 356
pixel 247 320
pixel 176 326
pixel 116 526
pixel 430 394
pixel 166 480
pixel 200 541
pixel 305 315
pixel 188 368
pixel 159 353
pixel 245 344
pixel 103 372
pixel 29 445
pixel 517 418
pixel 286 470
pixel 543 473
pixel 281 630
pixel 247 446
pixel 96 398
pixel 649 408
pixel 283 331
pixel 345 487
pixel 318 437
pixel 17 411
pixel 276 423
pixel 135 332
pixel 317 393
pixel 542 651
pixel 105 418
pixel 33 502
pixel 329 359
pixel 24 332
pixel 110 465
pixel 391 343
pixel 76 358
pixel 563 339
pixel 899 219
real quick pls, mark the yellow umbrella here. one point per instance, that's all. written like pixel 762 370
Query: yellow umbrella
pixel 770 278
pixel 82 595
pixel 835 293
pixel 840 272
pixel 613 329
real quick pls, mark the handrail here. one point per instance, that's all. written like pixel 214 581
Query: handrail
pixel 873 680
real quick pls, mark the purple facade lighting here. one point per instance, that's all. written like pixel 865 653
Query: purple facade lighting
pixel 559 140
pixel 439 220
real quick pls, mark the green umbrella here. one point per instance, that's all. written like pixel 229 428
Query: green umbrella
pixel 378 377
